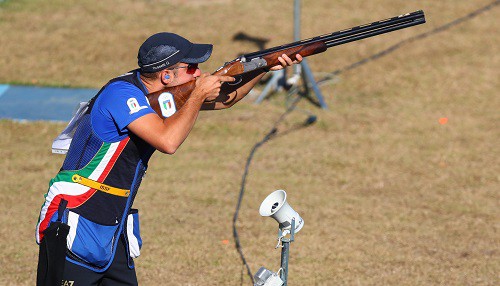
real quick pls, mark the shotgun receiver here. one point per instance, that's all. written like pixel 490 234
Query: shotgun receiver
pixel 269 57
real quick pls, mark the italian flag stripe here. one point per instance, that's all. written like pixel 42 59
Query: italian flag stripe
pixel 62 186
pixel 91 167
pixel 112 160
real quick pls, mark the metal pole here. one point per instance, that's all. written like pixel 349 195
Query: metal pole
pixel 296 28
pixel 309 78
pixel 278 79
pixel 285 252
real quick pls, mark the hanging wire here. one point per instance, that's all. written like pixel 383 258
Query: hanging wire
pixel 266 138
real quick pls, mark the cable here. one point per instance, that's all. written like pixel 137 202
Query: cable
pixel 266 138
pixel 312 118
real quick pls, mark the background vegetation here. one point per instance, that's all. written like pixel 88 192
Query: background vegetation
pixel 389 195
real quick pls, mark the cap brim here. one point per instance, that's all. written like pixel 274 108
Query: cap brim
pixel 199 53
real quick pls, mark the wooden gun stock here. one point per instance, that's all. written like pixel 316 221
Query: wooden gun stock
pixel 238 67
pixel 175 96
pixel 269 57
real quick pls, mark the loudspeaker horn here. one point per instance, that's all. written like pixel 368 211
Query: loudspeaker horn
pixel 276 206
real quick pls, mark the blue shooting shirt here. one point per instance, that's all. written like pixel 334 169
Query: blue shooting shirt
pixel 117 106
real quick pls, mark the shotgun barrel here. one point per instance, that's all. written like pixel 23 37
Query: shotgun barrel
pixel 350 35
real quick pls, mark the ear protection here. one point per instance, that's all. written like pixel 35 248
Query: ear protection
pixel 167 76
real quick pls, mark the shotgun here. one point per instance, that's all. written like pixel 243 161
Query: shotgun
pixel 269 57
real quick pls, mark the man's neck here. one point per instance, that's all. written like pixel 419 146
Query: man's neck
pixel 151 85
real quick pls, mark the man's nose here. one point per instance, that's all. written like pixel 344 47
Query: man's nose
pixel 197 73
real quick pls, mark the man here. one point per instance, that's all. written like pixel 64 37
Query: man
pixel 94 191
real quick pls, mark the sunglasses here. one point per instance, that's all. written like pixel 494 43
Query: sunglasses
pixel 191 68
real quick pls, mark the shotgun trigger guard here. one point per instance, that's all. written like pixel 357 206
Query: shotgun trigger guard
pixel 238 80
pixel 254 64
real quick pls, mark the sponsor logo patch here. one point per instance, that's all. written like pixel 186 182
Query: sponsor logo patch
pixel 134 106
pixel 167 104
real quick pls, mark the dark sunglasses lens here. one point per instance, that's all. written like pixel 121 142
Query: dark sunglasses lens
pixel 191 68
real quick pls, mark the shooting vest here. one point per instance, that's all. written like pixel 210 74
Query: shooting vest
pixel 100 181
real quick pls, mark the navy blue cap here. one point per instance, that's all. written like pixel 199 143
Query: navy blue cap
pixel 163 50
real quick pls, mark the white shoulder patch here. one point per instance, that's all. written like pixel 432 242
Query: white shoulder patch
pixel 133 105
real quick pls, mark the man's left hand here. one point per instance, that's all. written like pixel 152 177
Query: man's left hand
pixel 286 61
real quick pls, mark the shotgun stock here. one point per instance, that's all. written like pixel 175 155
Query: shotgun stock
pixel 178 95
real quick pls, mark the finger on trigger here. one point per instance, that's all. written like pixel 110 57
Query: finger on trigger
pixel 225 78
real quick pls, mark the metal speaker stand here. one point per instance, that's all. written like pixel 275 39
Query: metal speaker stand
pixel 278 80
pixel 285 252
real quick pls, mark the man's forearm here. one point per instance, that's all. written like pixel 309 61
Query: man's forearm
pixel 180 124
pixel 232 93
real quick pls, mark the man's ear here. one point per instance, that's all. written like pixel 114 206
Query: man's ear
pixel 166 77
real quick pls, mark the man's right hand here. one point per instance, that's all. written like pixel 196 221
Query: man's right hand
pixel 208 86
pixel 168 134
